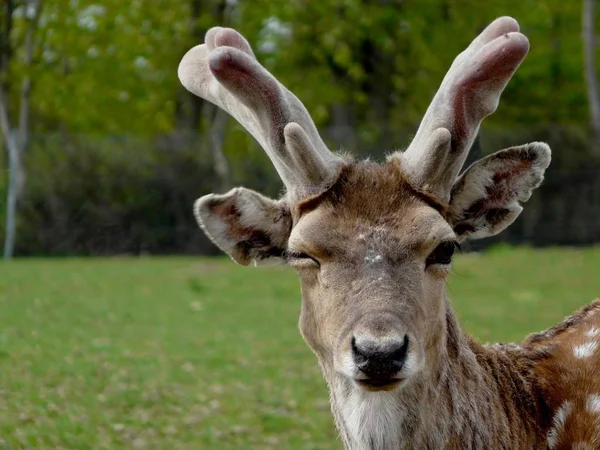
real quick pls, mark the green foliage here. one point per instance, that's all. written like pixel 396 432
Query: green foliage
pixel 85 197
pixel 110 66
pixel 386 59
pixel 122 194
pixel 203 354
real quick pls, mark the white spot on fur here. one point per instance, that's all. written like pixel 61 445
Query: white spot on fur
pixel 592 332
pixel 373 419
pixel 593 403
pixel 347 366
pixel 371 259
pixel 412 364
pixel 558 423
pixel 585 350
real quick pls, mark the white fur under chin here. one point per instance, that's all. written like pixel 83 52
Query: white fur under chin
pixel 372 419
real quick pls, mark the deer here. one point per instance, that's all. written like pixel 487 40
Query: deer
pixel 372 244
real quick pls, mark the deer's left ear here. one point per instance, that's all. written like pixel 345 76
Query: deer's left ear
pixel 485 198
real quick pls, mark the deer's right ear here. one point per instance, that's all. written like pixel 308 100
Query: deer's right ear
pixel 245 224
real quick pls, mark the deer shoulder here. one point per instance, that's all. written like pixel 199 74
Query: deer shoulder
pixel 568 375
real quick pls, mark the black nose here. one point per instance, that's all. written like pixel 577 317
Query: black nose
pixel 380 361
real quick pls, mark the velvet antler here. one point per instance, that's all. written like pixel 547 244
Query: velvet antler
pixel 469 92
pixel 225 72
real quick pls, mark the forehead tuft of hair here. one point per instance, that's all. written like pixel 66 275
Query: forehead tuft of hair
pixel 373 189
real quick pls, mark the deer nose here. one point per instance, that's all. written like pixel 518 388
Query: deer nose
pixel 380 361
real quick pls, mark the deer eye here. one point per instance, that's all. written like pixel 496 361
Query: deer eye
pixel 442 253
pixel 300 259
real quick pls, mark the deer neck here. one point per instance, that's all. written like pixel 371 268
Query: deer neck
pixel 474 398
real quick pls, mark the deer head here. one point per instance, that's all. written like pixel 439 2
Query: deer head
pixel 372 243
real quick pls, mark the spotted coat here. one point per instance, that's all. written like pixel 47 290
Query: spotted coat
pixel 569 379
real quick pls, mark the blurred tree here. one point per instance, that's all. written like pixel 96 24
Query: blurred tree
pixel 588 15
pixel 29 12
pixel 193 113
pixel 370 66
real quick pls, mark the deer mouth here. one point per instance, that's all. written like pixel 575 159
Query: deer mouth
pixel 379 384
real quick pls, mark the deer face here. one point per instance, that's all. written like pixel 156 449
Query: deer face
pixel 372 255
pixel 372 243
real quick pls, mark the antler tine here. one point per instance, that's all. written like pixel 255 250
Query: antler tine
pixel 469 92
pixel 225 72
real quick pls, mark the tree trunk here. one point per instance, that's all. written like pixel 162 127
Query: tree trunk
pixel 589 39
pixel 14 169
pixel 188 106
pixel 216 120
pixel 9 142
pixel 16 145
pixel 194 113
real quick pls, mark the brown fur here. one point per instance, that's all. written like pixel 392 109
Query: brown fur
pixel 372 245
pixel 465 395
pixel 472 397
pixel 371 174
pixel 565 378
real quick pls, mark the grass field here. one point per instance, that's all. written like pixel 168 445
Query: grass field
pixel 186 353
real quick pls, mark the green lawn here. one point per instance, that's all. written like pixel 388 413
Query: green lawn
pixel 186 353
